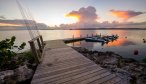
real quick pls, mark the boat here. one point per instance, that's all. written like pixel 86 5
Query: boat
pixel 104 39
pixel 91 39
pixel 113 37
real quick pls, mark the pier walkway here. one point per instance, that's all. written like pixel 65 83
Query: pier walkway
pixel 63 65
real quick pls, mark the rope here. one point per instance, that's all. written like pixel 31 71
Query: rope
pixel 31 24
pixel 34 22
pixel 24 17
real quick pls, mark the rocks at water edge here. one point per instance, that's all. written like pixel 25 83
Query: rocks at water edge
pixel 17 75
pixel 23 73
pixel 5 74
pixel 130 70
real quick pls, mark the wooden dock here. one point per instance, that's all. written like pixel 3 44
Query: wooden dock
pixel 63 65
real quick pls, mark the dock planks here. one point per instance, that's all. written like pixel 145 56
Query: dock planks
pixel 63 65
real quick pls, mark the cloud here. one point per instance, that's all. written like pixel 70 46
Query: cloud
pixel 106 24
pixel 87 18
pixel 20 24
pixel 116 24
pixel 12 22
pixel 2 17
pixel 84 15
pixel 125 14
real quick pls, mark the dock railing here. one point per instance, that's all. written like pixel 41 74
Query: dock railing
pixel 37 46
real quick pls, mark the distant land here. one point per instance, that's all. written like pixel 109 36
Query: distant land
pixel 45 28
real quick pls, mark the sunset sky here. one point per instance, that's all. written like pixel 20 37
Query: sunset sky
pixel 78 13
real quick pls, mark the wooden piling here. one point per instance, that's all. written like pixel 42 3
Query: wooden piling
pixel 37 53
pixel 34 52
pixel 42 42
pixel 39 44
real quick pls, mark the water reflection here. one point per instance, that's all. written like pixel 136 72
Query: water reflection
pixel 76 33
pixel 77 43
pixel 125 45
pixel 121 42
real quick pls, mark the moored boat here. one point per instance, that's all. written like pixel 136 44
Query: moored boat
pixel 94 39
pixel 104 39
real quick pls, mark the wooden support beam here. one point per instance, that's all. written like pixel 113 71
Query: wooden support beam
pixel 42 42
pixel 39 44
pixel 34 52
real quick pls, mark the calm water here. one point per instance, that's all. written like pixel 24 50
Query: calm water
pixel 123 46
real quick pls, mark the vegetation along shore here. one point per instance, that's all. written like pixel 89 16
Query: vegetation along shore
pixel 16 67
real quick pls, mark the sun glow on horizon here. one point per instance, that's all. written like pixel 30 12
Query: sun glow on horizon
pixel 8 24
pixel 57 21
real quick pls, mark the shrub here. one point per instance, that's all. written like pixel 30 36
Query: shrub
pixel 8 58
pixel 28 56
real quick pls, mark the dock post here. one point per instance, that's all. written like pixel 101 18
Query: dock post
pixel 34 52
pixel 87 35
pixel 42 42
pixel 39 44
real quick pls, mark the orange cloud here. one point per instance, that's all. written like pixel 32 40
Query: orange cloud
pixel 74 16
pixel 125 14
pixel 7 24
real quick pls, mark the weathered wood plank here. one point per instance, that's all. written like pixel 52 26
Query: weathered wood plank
pixel 63 70
pixel 66 74
pixel 65 79
pixel 55 44
pixel 82 78
pixel 97 77
pixel 51 58
pixel 62 64
pixel 104 79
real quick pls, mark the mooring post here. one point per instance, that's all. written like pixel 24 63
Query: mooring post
pixel 42 42
pixel 39 44
pixel 87 35
pixel 34 52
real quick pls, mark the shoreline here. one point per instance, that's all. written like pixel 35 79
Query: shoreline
pixel 127 68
